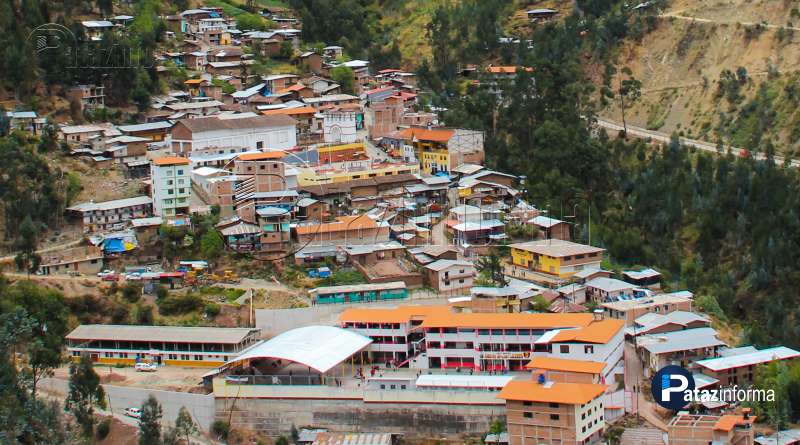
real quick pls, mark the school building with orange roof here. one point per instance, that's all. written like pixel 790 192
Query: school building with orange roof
pixel 435 337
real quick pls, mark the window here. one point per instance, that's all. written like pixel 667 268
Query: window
pixel 528 415
pixel 564 349
pixel 198 357
pixel 527 403
pixel 588 349
pixel 259 145
pixel 583 429
pixel 554 417
pixel 181 191
pixel 171 191
pixel 554 405
pixel 383 386
pixel 402 386
pixel 392 386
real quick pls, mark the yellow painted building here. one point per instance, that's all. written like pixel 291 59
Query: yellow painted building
pixel 164 345
pixel 556 257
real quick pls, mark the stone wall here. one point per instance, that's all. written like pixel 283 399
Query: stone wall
pixel 275 417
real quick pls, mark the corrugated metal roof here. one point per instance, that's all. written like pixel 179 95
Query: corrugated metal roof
pixel 160 333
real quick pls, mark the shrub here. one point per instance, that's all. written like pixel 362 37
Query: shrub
pixel 212 310
pixel 131 292
pixel 221 429
pixel 180 304
pixel 143 314
pixel 103 428
pixel 161 292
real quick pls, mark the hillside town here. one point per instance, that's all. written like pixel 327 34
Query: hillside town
pixel 311 254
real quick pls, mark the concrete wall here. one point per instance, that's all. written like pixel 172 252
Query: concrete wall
pixel 275 417
pixel 199 405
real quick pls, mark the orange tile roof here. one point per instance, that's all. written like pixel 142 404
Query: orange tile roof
pixel 728 421
pixel 567 393
pixel 342 223
pixel 290 111
pixel 194 81
pixel 401 314
pixel 510 321
pixel 263 155
pixel 562 364
pixel 597 332
pixel 170 160
pixel 423 134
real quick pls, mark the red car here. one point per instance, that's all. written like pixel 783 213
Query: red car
pixel 111 277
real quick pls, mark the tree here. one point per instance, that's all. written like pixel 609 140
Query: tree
pixel 27 259
pixel 212 245
pixel 5 122
pixel 49 319
pixel 282 440
pixel 539 304
pixel 493 266
pixel 343 75
pixel 140 91
pixel 49 140
pixel 85 392
pixel 150 422
pixel 630 89
pixel 106 7
pixel 184 425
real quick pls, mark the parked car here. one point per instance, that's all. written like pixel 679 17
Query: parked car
pixel 111 277
pixel 105 272
pixel 146 367
pixel 136 276
pixel 136 413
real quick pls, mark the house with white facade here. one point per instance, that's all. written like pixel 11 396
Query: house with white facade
pixel 234 131
pixel 171 187
pixel 111 215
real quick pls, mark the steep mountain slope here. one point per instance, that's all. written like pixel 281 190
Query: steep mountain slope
pixel 682 65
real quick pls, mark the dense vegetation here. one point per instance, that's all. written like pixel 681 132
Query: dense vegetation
pixel 33 323
pixel 33 192
pixel 722 226
pixel 23 69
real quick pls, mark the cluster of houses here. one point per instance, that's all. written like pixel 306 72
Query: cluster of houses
pixel 300 171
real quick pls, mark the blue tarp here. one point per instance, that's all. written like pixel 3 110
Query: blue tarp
pixel 114 245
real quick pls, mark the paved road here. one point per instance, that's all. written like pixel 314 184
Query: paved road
pixel 664 137
pixel 201 406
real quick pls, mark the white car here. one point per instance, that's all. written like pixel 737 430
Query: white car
pixel 136 413
pixel 146 367
pixel 136 276
pixel 105 273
